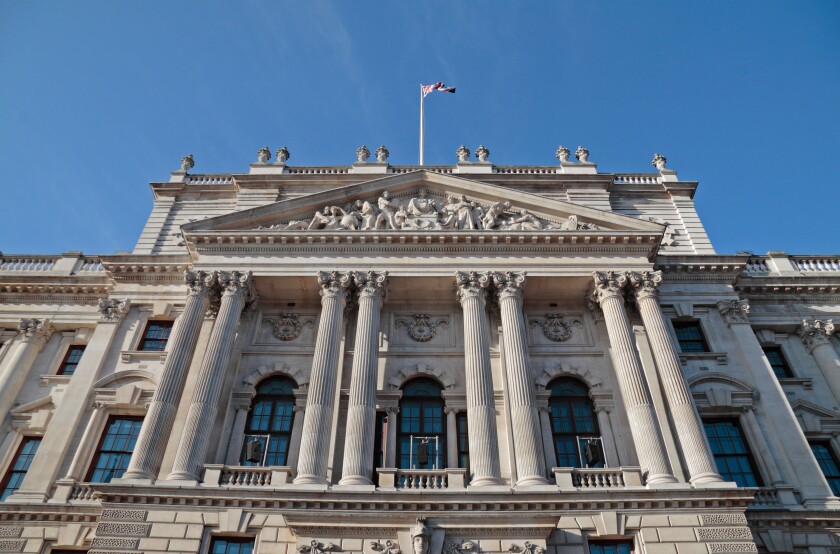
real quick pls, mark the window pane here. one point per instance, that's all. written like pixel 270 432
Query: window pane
pixel 270 421
pixel 572 420
pixel 156 336
pixel 115 450
pixel 690 336
pixel 731 454
pixel 221 545
pixel 71 360
pixel 20 466
pixel 828 465
pixel 777 362
pixel 421 415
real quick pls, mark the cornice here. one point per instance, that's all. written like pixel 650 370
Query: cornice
pixel 146 268
pixel 703 268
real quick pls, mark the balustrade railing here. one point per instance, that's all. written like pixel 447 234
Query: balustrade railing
pixel 83 492
pixel 809 264
pixel 756 266
pixel 422 479
pixel 217 475
pixel 208 179
pixel 636 179
pixel 597 478
pixel 27 263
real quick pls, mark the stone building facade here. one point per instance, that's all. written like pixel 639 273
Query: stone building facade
pixel 389 359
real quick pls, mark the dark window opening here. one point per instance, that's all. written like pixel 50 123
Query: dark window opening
pixel 690 336
pixel 71 360
pixel 20 465
pixel 421 423
pixel 732 455
pixel 156 336
pixel 828 464
pixel 574 426
pixel 778 362
pixel 231 545
pixel 115 449
pixel 269 426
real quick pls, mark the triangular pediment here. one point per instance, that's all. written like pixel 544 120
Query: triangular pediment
pixel 422 201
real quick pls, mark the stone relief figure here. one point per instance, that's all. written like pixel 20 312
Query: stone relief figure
pixel 422 205
pixel 482 153
pixel 562 154
pixel 381 154
pixel 453 547
pixel 491 218
pixel 263 155
pixel 282 155
pixel 315 547
pixel 387 210
pixel 420 537
pixel 525 221
pixel 390 547
pixel 462 210
pixel 462 153
pixel 582 154
pixel 362 154
pixel 530 548
pixel 367 213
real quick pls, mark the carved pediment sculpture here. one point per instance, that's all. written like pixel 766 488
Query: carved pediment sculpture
pixel 424 212
pixel 389 547
pixel 529 548
pixel 315 547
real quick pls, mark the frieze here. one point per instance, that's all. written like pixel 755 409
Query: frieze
pixel 329 530
pixel 422 328
pixel 389 547
pixel 453 547
pixel 529 548
pixel 555 327
pixel 316 547
pixel 427 213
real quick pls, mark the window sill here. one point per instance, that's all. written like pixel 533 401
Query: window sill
pixel 55 379
pixel 722 358
pixel 128 356
pixel 805 383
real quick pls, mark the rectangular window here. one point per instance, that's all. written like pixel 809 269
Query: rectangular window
pixel 115 449
pixel 690 336
pixel 20 465
pixel 828 465
pixel 71 360
pixel 463 441
pixel 610 547
pixel 731 453
pixel 231 545
pixel 156 336
pixel 777 362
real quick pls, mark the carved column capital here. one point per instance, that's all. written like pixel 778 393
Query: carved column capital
pixel 509 284
pixel 239 284
pixel 334 283
pixel 607 284
pixel 451 410
pixel 815 333
pixel 645 284
pixel 472 284
pixel 113 310
pixel 200 283
pixel 734 311
pixel 35 330
pixel 371 284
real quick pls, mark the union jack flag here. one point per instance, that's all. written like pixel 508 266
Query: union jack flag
pixel 436 86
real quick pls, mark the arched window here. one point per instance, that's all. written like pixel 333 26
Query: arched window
pixel 269 427
pixel 574 425
pixel 421 421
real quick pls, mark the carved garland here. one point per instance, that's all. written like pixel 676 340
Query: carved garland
pixel 286 326
pixel 422 328
pixel 555 328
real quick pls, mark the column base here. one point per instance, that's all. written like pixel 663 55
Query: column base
pixel 711 481
pixel 183 476
pixel 353 480
pixel 309 480
pixel 531 481
pixel 660 480
pixel 133 481
pixel 808 503
pixel 139 475
pixel 354 488
pixel 485 481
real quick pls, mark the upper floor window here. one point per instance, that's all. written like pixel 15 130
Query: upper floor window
pixel 463 440
pixel 690 336
pixel 777 361
pixel 269 426
pixel 828 465
pixel 71 360
pixel 732 455
pixel 20 465
pixel 232 545
pixel 610 547
pixel 156 336
pixel 421 442
pixel 574 426
pixel 115 449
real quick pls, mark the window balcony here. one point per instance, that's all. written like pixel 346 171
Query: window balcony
pixel 575 478
pixel 218 475
pixel 422 480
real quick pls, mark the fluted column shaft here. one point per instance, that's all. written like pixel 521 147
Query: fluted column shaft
pixel 148 452
pixel 33 336
pixel 317 421
pixel 391 438
pixel 192 450
pixel 690 433
pixel 451 436
pixel 357 468
pixel 481 406
pixel 637 401
pixel 816 335
pixel 530 461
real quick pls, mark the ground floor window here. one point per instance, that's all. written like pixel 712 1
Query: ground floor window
pixel 232 545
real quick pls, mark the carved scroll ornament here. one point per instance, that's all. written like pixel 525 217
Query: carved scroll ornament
pixel 555 327
pixel 422 328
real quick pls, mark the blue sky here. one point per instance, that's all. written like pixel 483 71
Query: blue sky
pixel 97 99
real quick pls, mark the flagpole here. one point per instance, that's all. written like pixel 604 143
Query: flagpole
pixel 422 125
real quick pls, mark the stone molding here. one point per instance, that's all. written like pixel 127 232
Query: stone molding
pixel 264 371
pixel 402 376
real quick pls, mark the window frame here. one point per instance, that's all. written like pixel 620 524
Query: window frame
pixel 610 542
pixel 462 437
pixel 424 401
pixel 10 471
pixel 678 324
pixel 785 363
pixel 569 400
pixel 62 367
pixel 239 539
pixel 144 338
pixel 759 478
pixel 274 399
pixel 97 452
pixel 825 443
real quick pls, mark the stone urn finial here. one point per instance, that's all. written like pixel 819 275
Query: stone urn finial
pixel 482 153
pixel 362 154
pixel 463 153
pixel 187 162
pixel 263 154
pixel 582 154
pixel 282 155
pixel 381 154
pixel 562 154
pixel 659 161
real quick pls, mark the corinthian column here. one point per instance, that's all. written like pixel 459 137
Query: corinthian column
pixel 314 446
pixel 530 461
pixel 148 452
pixel 640 412
pixel 690 433
pixel 32 337
pixel 237 291
pixel 817 338
pixel 357 468
pixel 481 408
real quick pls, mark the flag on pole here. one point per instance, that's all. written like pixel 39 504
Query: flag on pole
pixel 437 86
